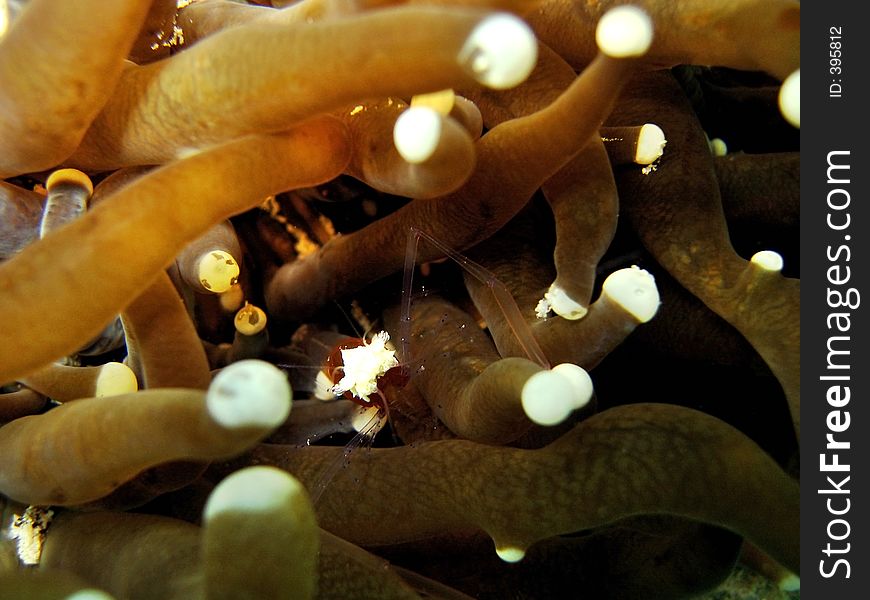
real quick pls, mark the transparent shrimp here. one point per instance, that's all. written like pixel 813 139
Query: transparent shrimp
pixel 316 419
pixel 334 409
pixel 334 381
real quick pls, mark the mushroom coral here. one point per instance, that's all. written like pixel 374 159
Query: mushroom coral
pixel 329 154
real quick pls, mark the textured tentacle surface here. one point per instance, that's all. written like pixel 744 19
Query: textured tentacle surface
pixel 317 137
pixel 631 460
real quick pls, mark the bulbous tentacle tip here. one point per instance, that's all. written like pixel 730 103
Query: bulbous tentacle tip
pixel 500 52
pixel 624 32
pixel 651 143
pixel 364 419
pixel 548 397
pixel 510 554
pixel 258 489
pixel 441 101
pixel 218 271
pixel 250 319
pixel 718 147
pixel 115 378
pixel 558 300
pixel 768 260
pixel 416 133
pixel 790 99
pixel 70 176
pixel 634 289
pixel 89 594
pixel 249 393
pixel 580 381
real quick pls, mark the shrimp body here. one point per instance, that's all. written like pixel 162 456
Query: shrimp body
pixel 355 367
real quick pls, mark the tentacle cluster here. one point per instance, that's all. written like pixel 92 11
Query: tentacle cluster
pixel 188 191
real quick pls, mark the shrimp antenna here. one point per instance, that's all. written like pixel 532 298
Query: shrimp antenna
pixel 354 324
pixel 502 295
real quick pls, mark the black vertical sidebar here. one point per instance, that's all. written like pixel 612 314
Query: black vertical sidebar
pixel 835 363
